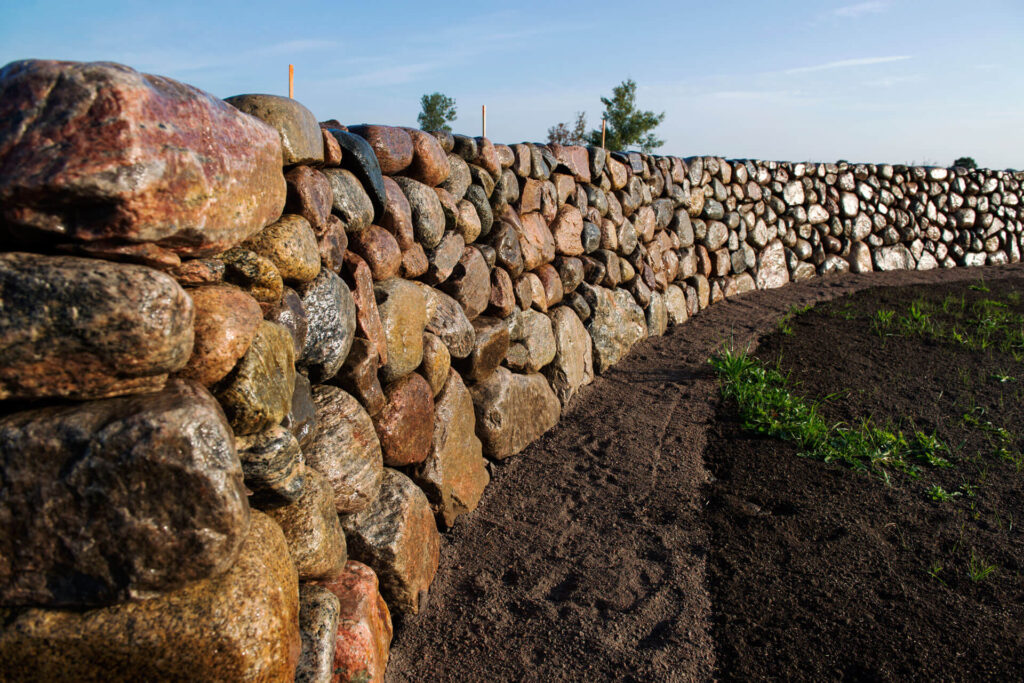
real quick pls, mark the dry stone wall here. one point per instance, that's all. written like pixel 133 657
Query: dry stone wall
pixel 251 364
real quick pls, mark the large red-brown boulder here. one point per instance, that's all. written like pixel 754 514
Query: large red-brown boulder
pixel 405 424
pixel 98 152
pixel 391 145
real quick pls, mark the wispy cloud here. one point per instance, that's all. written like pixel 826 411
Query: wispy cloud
pixel 860 9
pixel 294 46
pixel 847 63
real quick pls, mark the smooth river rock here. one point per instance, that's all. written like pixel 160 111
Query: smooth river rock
pixel 345 449
pixel 226 320
pixel 403 313
pixel 81 328
pixel 144 153
pixel 301 140
pixel 272 466
pixel 91 510
pixel 258 393
pixel 291 245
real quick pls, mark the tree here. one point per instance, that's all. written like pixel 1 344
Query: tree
pixel 965 162
pixel 561 134
pixel 627 126
pixel 437 111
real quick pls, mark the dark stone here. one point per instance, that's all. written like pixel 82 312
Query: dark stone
pixel 82 328
pixel 290 314
pixel 301 417
pixel 91 509
pixel 358 157
pixel 272 466
pixel 491 342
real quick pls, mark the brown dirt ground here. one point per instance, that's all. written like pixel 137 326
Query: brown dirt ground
pixel 588 556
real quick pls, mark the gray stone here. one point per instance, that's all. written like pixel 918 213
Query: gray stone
pixel 447 319
pixel 616 324
pixel 397 537
pixel 331 312
pixel 573 363
pixel 513 411
pixel 351 203
pixel 319 610
pixel 895 257
pixel 427 214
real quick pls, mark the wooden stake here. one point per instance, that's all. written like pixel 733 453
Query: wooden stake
pixel 483 115
pixel 291 81
pixel 604 122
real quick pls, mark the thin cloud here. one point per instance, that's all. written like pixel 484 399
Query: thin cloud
pixel 860 9
pixel 846 63
pixel 293 46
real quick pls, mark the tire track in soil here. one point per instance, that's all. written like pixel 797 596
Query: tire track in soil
pixel 586 557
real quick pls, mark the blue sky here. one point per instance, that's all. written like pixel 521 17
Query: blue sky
pixel 871 80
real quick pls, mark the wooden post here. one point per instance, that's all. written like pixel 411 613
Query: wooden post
pixel 604 122
pixel 291 81
pixel 483 116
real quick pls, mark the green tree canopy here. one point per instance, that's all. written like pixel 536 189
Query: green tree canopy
pixel 563 135
pixel 627 126
pixel 437 111
pixel 965 162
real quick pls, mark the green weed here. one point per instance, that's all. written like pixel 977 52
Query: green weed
pixel 940 494
pixel 977 569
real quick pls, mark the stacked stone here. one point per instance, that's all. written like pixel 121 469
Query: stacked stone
pixel 253 363
pixel 174 460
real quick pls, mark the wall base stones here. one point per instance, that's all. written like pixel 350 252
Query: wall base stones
pixel 231 400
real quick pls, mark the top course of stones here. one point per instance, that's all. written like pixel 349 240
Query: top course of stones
pixel 251 363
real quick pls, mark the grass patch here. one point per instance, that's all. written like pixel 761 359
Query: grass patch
pixel 767 406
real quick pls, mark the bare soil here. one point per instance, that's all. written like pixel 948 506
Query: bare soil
pixel 608 551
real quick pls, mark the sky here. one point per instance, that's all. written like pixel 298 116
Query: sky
pixel 903 81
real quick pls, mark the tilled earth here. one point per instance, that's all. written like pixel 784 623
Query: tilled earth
pixel 630 542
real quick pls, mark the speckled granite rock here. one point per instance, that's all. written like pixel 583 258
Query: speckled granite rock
pixel 397 537
pixel 226 320
pixel 311 528
pixel 146 151
pixel 82 328
pixel 90 511
pixel 240 626
pixel 345 449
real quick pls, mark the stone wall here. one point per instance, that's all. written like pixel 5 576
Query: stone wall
pixel 251 364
